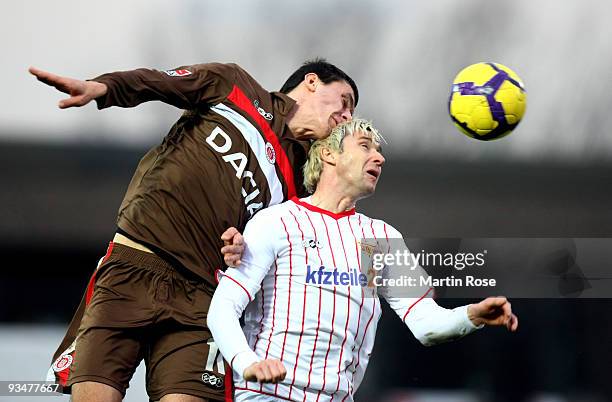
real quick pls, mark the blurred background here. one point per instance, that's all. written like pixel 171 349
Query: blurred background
pixel 64 171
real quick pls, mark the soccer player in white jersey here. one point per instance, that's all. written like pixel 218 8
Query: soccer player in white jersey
pixel 309 317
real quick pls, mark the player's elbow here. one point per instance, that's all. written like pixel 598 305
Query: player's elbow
pixel 214 317
pixel 426 338
pixel 432 337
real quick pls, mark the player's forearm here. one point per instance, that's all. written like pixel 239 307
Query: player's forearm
pixel 432 324
pixel 226 307
pixel 131 88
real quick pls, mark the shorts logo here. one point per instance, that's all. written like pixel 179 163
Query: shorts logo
pixel 270 153
pixel 177 73
pixel 62 363
pixel 212 379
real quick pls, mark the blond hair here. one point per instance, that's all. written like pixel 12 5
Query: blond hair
pixel 314 165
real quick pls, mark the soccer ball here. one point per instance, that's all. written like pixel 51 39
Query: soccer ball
pixel 487 101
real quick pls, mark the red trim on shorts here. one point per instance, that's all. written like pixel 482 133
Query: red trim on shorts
pixel 62 376
pixel 229 384
pixel 240 99
pixel 235 281
pixel 413 304
pixel 92 280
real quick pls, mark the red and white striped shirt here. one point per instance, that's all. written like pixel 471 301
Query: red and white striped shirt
pixel 304 304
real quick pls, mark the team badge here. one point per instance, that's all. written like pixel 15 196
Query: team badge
pixel 62 363
pixel 270 153
pixel 178 73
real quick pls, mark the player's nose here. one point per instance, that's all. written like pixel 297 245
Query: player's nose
pixel 379 159
pixel 346 115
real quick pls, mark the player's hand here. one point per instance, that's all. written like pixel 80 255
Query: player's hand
pixel 233 247
pixel 495 311
pixel 81 92
pixel 269 370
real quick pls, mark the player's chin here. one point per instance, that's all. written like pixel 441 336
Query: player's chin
pixel 368 189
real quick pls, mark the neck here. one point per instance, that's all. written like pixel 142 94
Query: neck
pixel 329 198
pixel 296 121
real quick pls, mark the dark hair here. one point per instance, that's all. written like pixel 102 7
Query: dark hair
pixel 326 72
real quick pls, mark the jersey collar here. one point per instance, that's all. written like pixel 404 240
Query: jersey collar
pixel 304 202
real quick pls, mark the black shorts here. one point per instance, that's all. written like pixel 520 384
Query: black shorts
pixel 137 307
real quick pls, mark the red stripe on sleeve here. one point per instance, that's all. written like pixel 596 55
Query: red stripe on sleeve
pixel 414 304
pixel 236 282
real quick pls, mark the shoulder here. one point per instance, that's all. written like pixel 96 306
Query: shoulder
pixel 227 71
pixel 379 228
pixel 272 214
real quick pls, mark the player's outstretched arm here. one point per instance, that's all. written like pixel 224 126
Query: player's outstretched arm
pixel 81 92
pixel 266 371
pixel 494 311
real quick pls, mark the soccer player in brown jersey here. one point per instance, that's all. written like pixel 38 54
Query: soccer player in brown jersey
pixel 236 149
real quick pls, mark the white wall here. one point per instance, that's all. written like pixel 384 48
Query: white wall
pixel 403 54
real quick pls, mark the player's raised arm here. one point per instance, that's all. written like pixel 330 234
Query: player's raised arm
pixel 185 87
pixel 432 324
pixel 81 92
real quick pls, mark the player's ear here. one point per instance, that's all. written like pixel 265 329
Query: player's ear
pixel 328 156
pixel 312 81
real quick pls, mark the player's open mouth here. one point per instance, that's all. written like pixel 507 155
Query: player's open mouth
pixel 373 172
pixel 334 122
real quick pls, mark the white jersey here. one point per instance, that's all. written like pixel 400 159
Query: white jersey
pixel 307 303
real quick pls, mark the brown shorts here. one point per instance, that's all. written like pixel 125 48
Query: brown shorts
pixel 139 307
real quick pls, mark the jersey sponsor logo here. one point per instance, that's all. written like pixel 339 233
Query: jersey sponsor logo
pixel 322 276
pixel 222 143
pixel 266 115
pixel 312 243
pixel 178 73
pixel 270 153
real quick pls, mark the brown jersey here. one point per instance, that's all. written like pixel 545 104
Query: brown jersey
pixel 230 155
